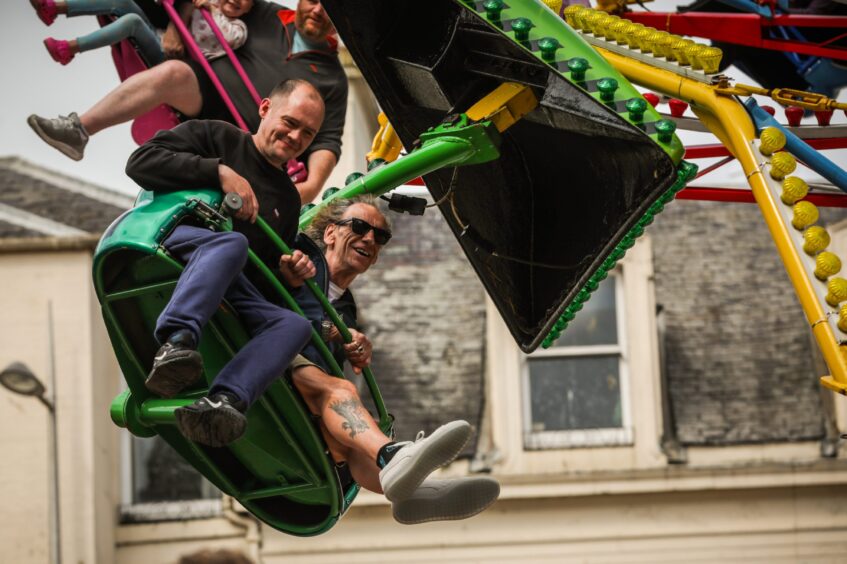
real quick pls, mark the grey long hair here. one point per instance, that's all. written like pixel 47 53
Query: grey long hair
pixel 334 211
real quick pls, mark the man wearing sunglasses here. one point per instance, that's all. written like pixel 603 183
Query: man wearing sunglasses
pixel 344 241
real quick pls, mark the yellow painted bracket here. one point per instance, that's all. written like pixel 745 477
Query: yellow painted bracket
pixel 727 118
pixel 504 106
pixel 386 144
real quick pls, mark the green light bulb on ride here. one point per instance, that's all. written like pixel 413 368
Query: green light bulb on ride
pixel 607 88
pixel 636 108
pixel 578 66
pixel 493 9
pixel 521 27
pixel 352 177
pixel 548 47
pixel 665 128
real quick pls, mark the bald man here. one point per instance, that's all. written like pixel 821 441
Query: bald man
pixel 214 154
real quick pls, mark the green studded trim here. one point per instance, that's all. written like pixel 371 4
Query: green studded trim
pixel 543 33
pixel 685 173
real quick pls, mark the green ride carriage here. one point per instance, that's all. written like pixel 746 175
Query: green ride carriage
pixel 545 161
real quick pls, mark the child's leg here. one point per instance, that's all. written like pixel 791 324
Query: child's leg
pixel 99 8
pixel 126 26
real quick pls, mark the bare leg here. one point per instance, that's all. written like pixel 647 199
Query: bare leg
pixel 352 433
pixel 172 83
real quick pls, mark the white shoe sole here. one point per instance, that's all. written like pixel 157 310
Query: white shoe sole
pixel 402 476
pixel 465 499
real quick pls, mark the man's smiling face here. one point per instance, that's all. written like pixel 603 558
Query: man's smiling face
pixel 289 124
pixel 348 254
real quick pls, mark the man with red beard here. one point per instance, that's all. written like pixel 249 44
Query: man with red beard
pixel 281 44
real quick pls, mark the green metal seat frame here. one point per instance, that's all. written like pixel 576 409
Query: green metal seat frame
pixel 280 470
pixel 541 239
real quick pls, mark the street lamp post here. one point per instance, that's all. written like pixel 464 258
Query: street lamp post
pixel 18 378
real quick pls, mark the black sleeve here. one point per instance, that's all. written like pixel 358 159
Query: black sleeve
pixel 182 158
pixel 329 136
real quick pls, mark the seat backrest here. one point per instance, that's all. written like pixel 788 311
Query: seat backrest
pixel 128 62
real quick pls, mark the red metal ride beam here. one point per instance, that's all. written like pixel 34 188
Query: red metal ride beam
pixel 744 29
pixel 746 196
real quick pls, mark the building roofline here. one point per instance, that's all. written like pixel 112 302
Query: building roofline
pixel 71 184
pixel 35 222
pixel 48 244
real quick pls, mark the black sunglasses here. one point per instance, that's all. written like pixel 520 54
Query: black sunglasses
pixel 361 227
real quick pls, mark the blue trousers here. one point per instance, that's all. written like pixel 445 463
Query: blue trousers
pixel 130 22
pixel 215 261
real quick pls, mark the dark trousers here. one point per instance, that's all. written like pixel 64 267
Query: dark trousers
pixel 215 261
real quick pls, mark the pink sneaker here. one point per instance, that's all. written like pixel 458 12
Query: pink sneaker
pixel 46 10
pixel 60 50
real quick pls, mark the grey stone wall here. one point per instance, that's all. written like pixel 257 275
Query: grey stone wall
pixel 738 350
pixel 423 307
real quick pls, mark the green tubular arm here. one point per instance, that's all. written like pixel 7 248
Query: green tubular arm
pixel 446 146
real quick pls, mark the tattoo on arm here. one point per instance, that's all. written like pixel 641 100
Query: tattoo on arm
pixel 351 410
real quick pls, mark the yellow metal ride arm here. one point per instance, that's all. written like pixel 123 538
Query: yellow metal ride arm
pixel 649 59
pixel 503 106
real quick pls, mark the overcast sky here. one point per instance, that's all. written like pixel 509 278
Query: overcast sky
pixel 33 83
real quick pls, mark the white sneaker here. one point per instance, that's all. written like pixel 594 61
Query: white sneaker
pixel 417 460
pixel 447 500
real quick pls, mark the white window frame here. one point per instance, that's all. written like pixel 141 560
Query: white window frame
pixel 615 436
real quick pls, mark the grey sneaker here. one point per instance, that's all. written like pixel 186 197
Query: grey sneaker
pixel 447 500
pixel 417 460
pixel 64 133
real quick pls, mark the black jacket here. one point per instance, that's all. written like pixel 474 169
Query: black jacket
pixel 345 305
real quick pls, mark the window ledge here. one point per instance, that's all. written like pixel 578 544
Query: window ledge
pixel 675 478
pixel 170 511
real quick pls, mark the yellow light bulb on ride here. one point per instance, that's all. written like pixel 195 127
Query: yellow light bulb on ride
pixel 842 318
pixel 617 29
pixel 640 37
pixel 555 5
pixel 815 239
pixel 590 20
pixel 631 32
pixel 771 140
pixel 679 47
pixel 794 189
pixel 710 59
pixel 601 24
pixel 579 17
pixel 837 291
pixel 805 214
pixel 626 33
pixel 662 44
pixel 693 51
pixel 782 164
pixel 570 14
pixel 651 42
pixel 827 264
